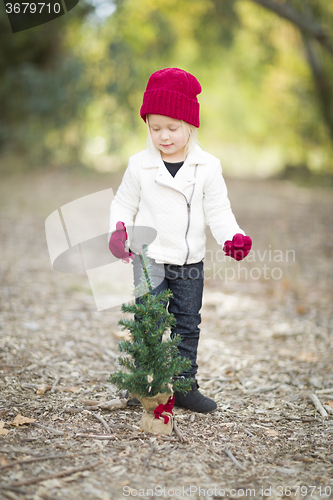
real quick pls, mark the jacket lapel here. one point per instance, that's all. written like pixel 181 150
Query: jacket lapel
pixel 185 175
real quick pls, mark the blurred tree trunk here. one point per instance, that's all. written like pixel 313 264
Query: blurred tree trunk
pixel 313 35
pixel 307 25
pixel 323 86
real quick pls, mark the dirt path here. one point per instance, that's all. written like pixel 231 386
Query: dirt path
pixel 266 346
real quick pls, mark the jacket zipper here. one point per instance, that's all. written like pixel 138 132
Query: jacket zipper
pixel 188 226
pixel 188 203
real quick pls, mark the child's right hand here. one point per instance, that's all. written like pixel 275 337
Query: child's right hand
pixel 117 243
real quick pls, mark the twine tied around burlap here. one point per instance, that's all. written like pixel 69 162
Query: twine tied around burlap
pixel 158 416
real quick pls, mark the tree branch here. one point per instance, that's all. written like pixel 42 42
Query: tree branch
pixel 306 25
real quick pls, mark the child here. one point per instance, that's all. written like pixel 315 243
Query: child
pixel 176 188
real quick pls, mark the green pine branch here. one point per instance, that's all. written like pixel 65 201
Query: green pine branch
pixel 150 363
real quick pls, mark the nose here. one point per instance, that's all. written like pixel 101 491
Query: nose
pixel 165 134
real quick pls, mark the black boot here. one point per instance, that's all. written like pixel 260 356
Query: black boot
pixel 131 401
pixel 194 400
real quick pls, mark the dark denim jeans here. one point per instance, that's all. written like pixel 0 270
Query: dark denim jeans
pixel 186 285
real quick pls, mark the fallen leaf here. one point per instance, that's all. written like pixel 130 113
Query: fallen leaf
pixel 308 357
pixel 68 389
pixel 43 388
pixel 301 309
pixel 286 284
pixel 21 420
pixel 3 432
pixel 272 432
pixel 3 461
pixel 329 403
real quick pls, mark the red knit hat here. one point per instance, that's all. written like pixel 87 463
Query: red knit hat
pixel 172 92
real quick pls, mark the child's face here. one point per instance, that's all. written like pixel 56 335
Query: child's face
pixel 168 136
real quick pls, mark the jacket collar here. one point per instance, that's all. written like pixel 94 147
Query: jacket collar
pixel 152 158
pixel 185 176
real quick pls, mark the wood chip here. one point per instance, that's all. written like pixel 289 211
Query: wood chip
pixel 150 454
pixel 318 405
pixel 97 436
pixel 233 459
pixel 114 404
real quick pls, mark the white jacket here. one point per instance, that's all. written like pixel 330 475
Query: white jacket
pixel 178 208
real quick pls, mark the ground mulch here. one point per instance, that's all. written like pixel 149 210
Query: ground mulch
pixel 265 351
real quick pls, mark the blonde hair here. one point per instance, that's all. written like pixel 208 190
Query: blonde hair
pixel 189 129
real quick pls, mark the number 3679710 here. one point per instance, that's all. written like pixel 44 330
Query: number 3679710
pixel 32 8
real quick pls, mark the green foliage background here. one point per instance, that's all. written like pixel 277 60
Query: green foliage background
pixel 70 90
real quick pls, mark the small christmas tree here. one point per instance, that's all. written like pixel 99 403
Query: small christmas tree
pixel 152 364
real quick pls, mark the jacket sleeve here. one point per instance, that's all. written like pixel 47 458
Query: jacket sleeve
pixel 126 202
pixel 218 213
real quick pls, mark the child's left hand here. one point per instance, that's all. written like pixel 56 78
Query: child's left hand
pixel 239 247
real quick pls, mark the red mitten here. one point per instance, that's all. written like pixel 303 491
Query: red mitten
pixel 117 242
pixel 239 247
